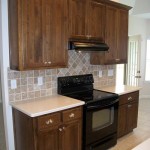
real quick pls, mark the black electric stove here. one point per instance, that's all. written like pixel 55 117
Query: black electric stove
pixel 100 113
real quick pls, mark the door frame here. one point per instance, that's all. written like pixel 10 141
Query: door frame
pixel 136 37
pixel 4 65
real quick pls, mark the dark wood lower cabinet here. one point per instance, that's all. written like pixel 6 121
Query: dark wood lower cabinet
pixel 48 140
pixel 71 136
pixel 128 113
pixel 57 131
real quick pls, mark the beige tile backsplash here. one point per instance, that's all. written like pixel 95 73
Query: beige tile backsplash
pixel 79 63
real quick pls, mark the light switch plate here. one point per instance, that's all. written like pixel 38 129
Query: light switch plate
pixel 110 72
pixel 13 84
pixel 40 80
pixel 100 73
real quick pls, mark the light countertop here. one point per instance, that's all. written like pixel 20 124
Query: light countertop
pixel 119 89
pixel 41 106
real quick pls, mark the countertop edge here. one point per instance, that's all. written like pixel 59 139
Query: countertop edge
pixel 114 89
pixel 49 111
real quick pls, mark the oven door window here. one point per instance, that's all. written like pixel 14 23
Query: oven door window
pixel 102 118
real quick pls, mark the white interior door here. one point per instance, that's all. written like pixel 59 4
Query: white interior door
pixel 133 75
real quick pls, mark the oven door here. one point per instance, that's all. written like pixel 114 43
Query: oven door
pixel 101 121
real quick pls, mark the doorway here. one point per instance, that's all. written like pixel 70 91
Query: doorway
pixel 129 74
pixel 132 69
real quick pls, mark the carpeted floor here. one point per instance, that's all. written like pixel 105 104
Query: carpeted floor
pixel 2 134
pixel 141 133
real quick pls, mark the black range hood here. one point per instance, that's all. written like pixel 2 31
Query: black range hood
pixel 87 44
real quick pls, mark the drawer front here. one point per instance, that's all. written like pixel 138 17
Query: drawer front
pixel 49 121
pixel 130 97
pixel 72 114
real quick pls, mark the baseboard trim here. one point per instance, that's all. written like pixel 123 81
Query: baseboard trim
pixel 144 96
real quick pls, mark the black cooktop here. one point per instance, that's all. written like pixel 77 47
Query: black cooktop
pixel 91 95
pixel 81 87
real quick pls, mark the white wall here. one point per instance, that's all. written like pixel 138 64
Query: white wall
pixel 145 92
pixel 126 2
pixel 139 26
pixel 4 64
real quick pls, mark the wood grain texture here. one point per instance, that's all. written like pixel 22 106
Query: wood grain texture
pixel 77 17
pixel 96 18
pixel 71 139
pixel 13 33
pixel 24 131
pixel 128 113
pixel 40 37
pixel 36 134
pixel 116 36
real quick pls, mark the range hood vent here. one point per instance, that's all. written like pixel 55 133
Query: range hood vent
pixel 87 44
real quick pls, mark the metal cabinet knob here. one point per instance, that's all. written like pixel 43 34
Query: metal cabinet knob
pixel 129 106
pixel 72 115
pixel 129 98
pixel 49 62
pixel 50 121
pixel 60 129
pixel 117 59
pixel 45 63
pixel 64 128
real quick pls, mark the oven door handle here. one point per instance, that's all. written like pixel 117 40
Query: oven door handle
pixel 101 106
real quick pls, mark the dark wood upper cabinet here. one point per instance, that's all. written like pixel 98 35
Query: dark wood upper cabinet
pixel 38 35
pixel 116 36
pixel 77 17
pixel 122 44
pixel 86 18
pixel 96 16
pixel 111 33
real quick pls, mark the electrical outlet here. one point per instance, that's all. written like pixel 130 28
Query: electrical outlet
pixel 40 80
pixel 13 84
pixel 100 74
pixel 110 72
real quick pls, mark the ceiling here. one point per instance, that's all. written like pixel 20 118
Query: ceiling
pixel 141 8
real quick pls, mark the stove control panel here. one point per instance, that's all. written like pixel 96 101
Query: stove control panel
pixel 69 81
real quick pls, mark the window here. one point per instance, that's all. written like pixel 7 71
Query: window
pixel 147 72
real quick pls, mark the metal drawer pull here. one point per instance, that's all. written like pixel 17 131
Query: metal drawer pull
pixel 49 62
pixel 64 128
pixel 50 121
pixel 129 98
pixel 129 106
pixel 60 129
pixel 45 62
pixel 72 115
pixel 117 59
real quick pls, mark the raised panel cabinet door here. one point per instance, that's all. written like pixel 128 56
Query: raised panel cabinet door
pixel 55 32
pixel 48 140
pixel 96 25
pixel 30 17
pixel 122 45
pixel 77 17
pixel 70 138
pixel 132 116
pixel 111 34
pixel 122 120
pixel 40 33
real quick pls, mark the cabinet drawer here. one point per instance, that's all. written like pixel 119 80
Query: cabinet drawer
pixel 72 114
pixel 130 97
pixel 48 121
